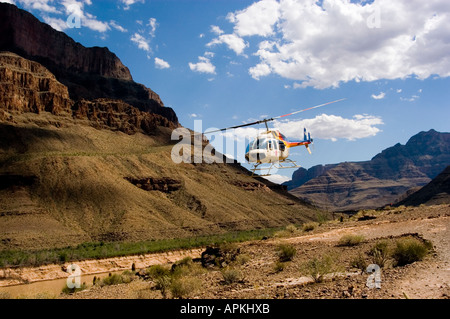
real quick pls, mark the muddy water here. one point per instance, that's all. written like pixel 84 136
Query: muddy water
pixel 48 281
pixel 47 288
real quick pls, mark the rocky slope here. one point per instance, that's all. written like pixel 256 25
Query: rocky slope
pixel 76 168
pixel 434 193
pixel 380 181
pixel 89 73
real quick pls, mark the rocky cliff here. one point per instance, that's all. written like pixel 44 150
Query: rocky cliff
pixel 434 193
pixel 380 181
pixel 28 87
pixel 88 73
pixel 69 174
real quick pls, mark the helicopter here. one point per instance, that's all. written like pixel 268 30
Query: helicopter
pixel 272 147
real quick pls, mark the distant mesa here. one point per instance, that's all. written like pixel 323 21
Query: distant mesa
pixel 378 182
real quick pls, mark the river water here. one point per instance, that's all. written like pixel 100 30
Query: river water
pixel 45 289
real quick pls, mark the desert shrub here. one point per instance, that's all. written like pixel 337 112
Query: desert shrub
pixel 157 271
pixel 127 276
pixel 112 279
pixel 309 226
pixel 242 259
pixel 317 268
pixel 322 218
pixel 409 250
pixel 67 290
pixel 286 252
pixel 291 228
pixel 380 252
pixel 231 275
pixel 350 240
pixel 184 287
pixel 163 283
pixel 279 266
pixel 359 262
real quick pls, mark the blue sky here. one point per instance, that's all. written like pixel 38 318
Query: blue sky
pixel 227 62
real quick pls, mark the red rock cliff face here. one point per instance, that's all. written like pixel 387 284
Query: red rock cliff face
pixel 22 31
pixel 88 73
pixel 28 87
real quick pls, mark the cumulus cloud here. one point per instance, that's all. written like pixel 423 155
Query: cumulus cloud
pixel 161 64
pixel 232 41
pixel 332 127
pixel 141 42
pixel 321 44
pixel 203 66
pixel 258 19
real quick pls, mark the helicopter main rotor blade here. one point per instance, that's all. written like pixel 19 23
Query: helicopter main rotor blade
pixel 237 126
pixel 309 108
pixel 271 119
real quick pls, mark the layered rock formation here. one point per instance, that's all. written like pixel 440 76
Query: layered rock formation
pixel 380 181
pixel 27 86
pixel 88 73
pixel 68 174
pixel 434 193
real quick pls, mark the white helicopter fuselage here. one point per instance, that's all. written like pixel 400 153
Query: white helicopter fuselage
pixel 266 148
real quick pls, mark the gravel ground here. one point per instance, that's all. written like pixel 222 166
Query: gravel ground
pixel 258 278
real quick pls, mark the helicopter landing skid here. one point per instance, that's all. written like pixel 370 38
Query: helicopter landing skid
pixel 287 163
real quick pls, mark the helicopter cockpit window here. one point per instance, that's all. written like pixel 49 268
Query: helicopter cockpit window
pixel 282 146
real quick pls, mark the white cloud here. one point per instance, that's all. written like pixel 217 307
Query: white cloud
pixel 129 3
pixel 114 24
pixel 56 23
pixel 161 64
pixel 141 42
pixel 321 44
pixel 203 66
pixel 257 19
pixel 332 127
pixel 259 70
pixel 215 29
pixel 152 24
pixel 233 42
pixel 8 1
pixel 41 5
pixel 379 96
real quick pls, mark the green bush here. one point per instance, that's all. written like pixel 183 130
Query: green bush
pixel 231 275
pixel 67 290
pixel 410 250
pixel 350 240
pixel 112 279
pixel 309 226
pixel 359 262
pixel 184 287
pixel 157 271
pixel 380 253
pixel 317 268
pixel 291 228
pixel 286 252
